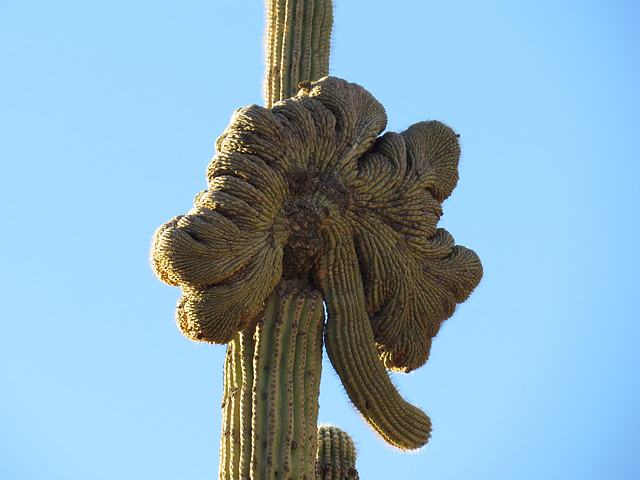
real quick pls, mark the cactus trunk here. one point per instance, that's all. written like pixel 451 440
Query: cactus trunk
pixel 272 373
pixel 271 388
pixel 297 45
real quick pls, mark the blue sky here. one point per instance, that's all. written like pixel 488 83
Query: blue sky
pixel 108 116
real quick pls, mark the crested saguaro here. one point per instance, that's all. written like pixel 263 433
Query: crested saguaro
pixel 307 206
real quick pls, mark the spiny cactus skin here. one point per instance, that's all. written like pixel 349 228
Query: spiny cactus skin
pixel 271 388
pixel 297 47
pixel 307 190
pixel 336 459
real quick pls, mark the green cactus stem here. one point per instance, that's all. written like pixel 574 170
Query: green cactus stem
pixel 297 45
pixel 271 387
pixel 336 459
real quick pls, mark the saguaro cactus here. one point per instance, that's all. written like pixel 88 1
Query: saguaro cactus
pixel 305 204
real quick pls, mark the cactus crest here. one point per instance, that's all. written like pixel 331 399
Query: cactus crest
pixel 307 189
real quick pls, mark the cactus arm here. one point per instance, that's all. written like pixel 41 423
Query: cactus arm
pixel 336 455
pixel 351 348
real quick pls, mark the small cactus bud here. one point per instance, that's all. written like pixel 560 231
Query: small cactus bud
pixel 336 458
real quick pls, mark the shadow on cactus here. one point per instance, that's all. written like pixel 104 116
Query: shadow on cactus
pixel 308 191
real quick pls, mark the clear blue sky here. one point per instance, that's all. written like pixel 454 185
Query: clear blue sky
pixel 108 116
